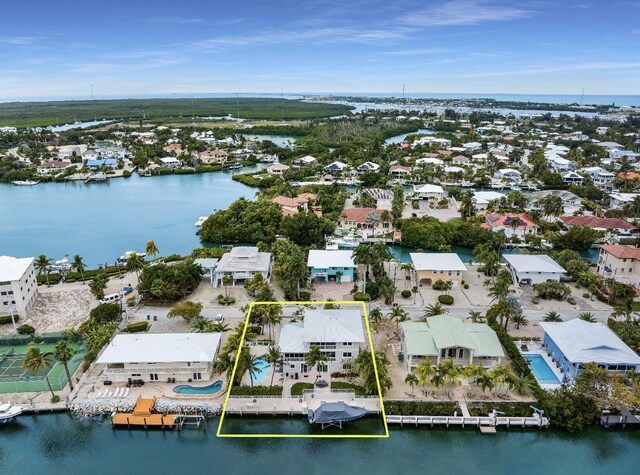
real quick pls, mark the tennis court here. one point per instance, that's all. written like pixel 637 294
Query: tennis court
pixel 13 379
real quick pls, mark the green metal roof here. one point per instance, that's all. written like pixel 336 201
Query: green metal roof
pixel 443 331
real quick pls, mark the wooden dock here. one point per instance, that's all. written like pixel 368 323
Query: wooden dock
pixel 143 416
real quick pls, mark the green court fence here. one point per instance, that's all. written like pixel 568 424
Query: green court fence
pixel 19 340
pixel 57 378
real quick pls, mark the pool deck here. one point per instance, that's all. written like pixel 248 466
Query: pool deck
pixel 535 348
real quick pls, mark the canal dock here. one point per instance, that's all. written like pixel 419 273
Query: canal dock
pixel 143 416
pixel 486 424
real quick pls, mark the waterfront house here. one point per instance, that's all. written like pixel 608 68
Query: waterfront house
pixel 429 161
pixel 575 343
pixel 426 192
pixel 619 226
pixel 52 167
pixel 368 167
pixel 103 162
pixel 277 168
pixel 483 199
pixel 431 266
pixel 213 156
pixel 510 174
pixel 472 146
pixel 460 160
pixel 170 162
pixel 383 197
pixel 570 202
pixel 511 223
pixel 599 176
pixel 242 263
pixel 621 263
pixel 366 218
pixel 336 167
pixel 620 200
pixel 529 269
pixel 338 334
pixel 399 171
pixel 559 164
pixel 572 178
pixel 333 265
pixel 306 160
pixel 442 337
pixel 158 357
pixel 18 285
pixel 291 206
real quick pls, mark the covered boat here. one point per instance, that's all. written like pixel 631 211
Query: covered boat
pixel 335 413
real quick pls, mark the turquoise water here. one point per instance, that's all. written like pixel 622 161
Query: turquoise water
pixel 101 221
pixel 262 371
pixel 62 444
pixel 541 369
pixel 400 138
pixel 279 140
pixel 187 389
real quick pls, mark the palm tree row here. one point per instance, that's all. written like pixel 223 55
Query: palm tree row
pixel 35 360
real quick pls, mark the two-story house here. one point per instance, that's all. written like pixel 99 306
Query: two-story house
pixel 338 334
pixel 334 265
pixel 621 263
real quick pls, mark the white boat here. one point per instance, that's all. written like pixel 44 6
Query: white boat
pixel 347 242
pixel 126 255
pixel 199 222
pixel 25 182
pixel 9 412
pixel 99 176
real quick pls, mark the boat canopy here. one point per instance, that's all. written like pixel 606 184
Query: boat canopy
pixel 335 412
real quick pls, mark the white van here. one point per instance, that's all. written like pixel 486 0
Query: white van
pixel 111 298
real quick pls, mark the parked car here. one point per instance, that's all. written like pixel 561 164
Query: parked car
pixel 219 319
pixel 127 290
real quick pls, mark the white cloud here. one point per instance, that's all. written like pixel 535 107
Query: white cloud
pixel 465 12
pixel 18 40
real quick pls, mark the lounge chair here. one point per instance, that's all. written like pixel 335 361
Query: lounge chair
pixel 126 392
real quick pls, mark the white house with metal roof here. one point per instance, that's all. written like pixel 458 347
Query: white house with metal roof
pixel 159 356
pixel 338 334
pixel 425 192
pixel 242 263
pixel 577 342
pixel 529 269
pixel 442 337
pixel 18 285
pixel 432 266
pixel 482 199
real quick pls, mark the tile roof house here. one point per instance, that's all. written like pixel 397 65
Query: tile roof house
pixel 291 206
pixel 599 224
pixel 621 263
pixel 357 218
pixel 399 170
pixel 442 337
pixel 577 342
pixel 512 224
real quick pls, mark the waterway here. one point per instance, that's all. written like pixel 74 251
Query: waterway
pixel 280 140
pixel 400 138
pixel 63 444
pixel 100 221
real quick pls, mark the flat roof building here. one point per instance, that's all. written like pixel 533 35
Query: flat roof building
pixel 18 285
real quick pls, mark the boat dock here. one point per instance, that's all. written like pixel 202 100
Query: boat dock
pixel 142 416
pixel 486 424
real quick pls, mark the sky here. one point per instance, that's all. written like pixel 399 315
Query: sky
pixel 135 48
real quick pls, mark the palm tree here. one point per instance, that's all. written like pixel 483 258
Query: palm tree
pixel 467 205
pixel 35 361
pixel 315 358
pixel 200 324
pixel 151 248
pixel 522 384
pixel 375 317
pixel 224 364
pixel 63 353
pixel 500 375
pixel 297 270
pixel 78 265
pixel 450 373
pixel 135 262
pixel 519 320
pixel 398 315
pixel 250 362
pixel 42 263
pixel 552 316
pixel 275 358
pixel 434 310
pixel 476 317
pixel 363 255
pixel 227 280
pixel 486 382
pixel 425 371
pixel 411 379
pixel 587 317
pixel 407 267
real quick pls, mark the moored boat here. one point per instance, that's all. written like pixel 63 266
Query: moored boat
pixel 8 412
pixel 25 182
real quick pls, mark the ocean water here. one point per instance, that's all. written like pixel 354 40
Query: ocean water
pixel 63 444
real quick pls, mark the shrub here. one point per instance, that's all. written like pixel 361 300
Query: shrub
pixel 225 301
pixel 445 299
pixel 126 174
pixel 55 398
pixel 586 295
pixel 137 326
pixel 406 293
pixel 7 319
pixel 340 374
pixel 26 330
pixel 131 301
pixel 106 312
pixel 438 285
pixel 466 286
pixel 256 391
pixel 297 388
pixel 421 408
pixel 535 300
pixel 361 297
pixel 571 300
pixel 373 289
pixel 552 290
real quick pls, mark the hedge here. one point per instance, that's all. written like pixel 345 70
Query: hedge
pixel 445 299
pixel 359 390
pixel 361 297
pixel 421 408
pixel 256 391
pixel 510 409
pixel 297 388
pixel 137 326
pixel 7 319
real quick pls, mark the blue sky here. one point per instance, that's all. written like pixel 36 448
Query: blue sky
pixel 58 49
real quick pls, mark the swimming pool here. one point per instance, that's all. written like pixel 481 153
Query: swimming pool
pixel 262 371
pixel 541 369
pixel 187 389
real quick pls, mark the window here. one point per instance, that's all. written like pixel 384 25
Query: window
pixel 460 352
pixel 452 352
pixel 188 363
pixel 153 376
pixel 347 343
pixel 443 353
pixel 346 355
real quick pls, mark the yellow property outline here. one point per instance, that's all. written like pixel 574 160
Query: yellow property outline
pixel 307 436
